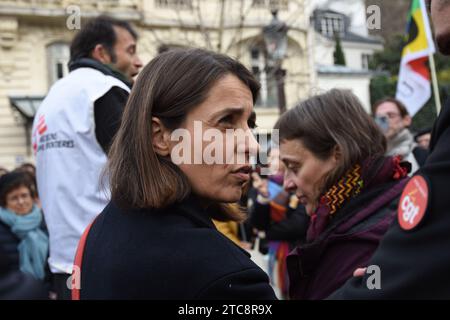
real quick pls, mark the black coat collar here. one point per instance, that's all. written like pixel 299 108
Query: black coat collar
pixel 197 211
pixel 194 209
pixel 103 68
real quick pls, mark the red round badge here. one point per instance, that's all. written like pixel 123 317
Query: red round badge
pixel 413 203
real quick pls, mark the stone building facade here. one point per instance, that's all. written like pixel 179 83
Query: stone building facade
pixel 35 37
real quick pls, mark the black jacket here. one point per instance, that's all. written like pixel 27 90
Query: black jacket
pixel 420 155
pixel 175 253
pixel 8 246
pixel 292 228
pixel 16 285
pixel 13 283
pixel 414 264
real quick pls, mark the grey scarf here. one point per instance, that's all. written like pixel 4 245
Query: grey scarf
pixel 402 144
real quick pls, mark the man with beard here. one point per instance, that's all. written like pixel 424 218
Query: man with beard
pixel 73 130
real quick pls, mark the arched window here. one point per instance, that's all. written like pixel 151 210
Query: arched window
pixel 58 55
pixel 268 97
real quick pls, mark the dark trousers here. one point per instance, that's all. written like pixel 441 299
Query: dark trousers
pixel 60 286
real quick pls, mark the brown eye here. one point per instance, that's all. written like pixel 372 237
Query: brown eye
pixel 226 120
pixel 132 50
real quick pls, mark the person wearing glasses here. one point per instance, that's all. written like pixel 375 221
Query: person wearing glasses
pixel 23 234
pixel 393 119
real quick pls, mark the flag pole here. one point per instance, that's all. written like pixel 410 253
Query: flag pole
pixel 437 99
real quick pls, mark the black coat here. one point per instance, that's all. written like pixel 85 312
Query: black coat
pixel 175 253
pixel 8 246
pixel 13 283
pixel 414 264
pixel 292 228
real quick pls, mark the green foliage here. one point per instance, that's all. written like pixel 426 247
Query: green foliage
pixel 425 117
pixel 339 57
pixel 389 59
pixel 382 86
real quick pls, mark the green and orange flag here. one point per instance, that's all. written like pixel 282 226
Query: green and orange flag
pixel 414 85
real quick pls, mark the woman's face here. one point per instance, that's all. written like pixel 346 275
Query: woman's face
pixel 305 173
pixel 221 163
pixel 19 201
pixel 275 165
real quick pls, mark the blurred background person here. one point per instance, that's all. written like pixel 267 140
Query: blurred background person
pixel 3 171
pixel 334 157
pixel 279 219
pixel 423 138
pixel 27 243
pixel 73 130
pixel 30 170
pixel 393 119
pixel 28 167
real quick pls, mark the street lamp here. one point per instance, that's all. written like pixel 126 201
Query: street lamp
pixel 275 40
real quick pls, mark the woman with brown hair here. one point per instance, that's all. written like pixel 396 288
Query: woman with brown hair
pixel 334 157
pixel 156 238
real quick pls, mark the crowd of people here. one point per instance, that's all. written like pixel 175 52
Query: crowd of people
pixel 109 214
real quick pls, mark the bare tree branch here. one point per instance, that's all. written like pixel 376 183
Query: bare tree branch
pixel 158 40
pixel 204 31
pixel 221 25
pixel 182 26
pixel 237 37
pixel 294 16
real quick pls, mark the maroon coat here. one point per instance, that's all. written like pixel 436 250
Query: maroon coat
pixel 318 268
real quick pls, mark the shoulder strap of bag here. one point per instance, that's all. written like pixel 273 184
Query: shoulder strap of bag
pixel 76 273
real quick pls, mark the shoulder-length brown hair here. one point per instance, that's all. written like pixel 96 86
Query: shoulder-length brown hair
pixel 168 87
pixel 335 118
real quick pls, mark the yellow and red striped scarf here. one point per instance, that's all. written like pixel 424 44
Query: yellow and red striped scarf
pixel 348 186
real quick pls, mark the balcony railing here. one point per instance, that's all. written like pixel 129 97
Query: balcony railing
pixel 56 7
